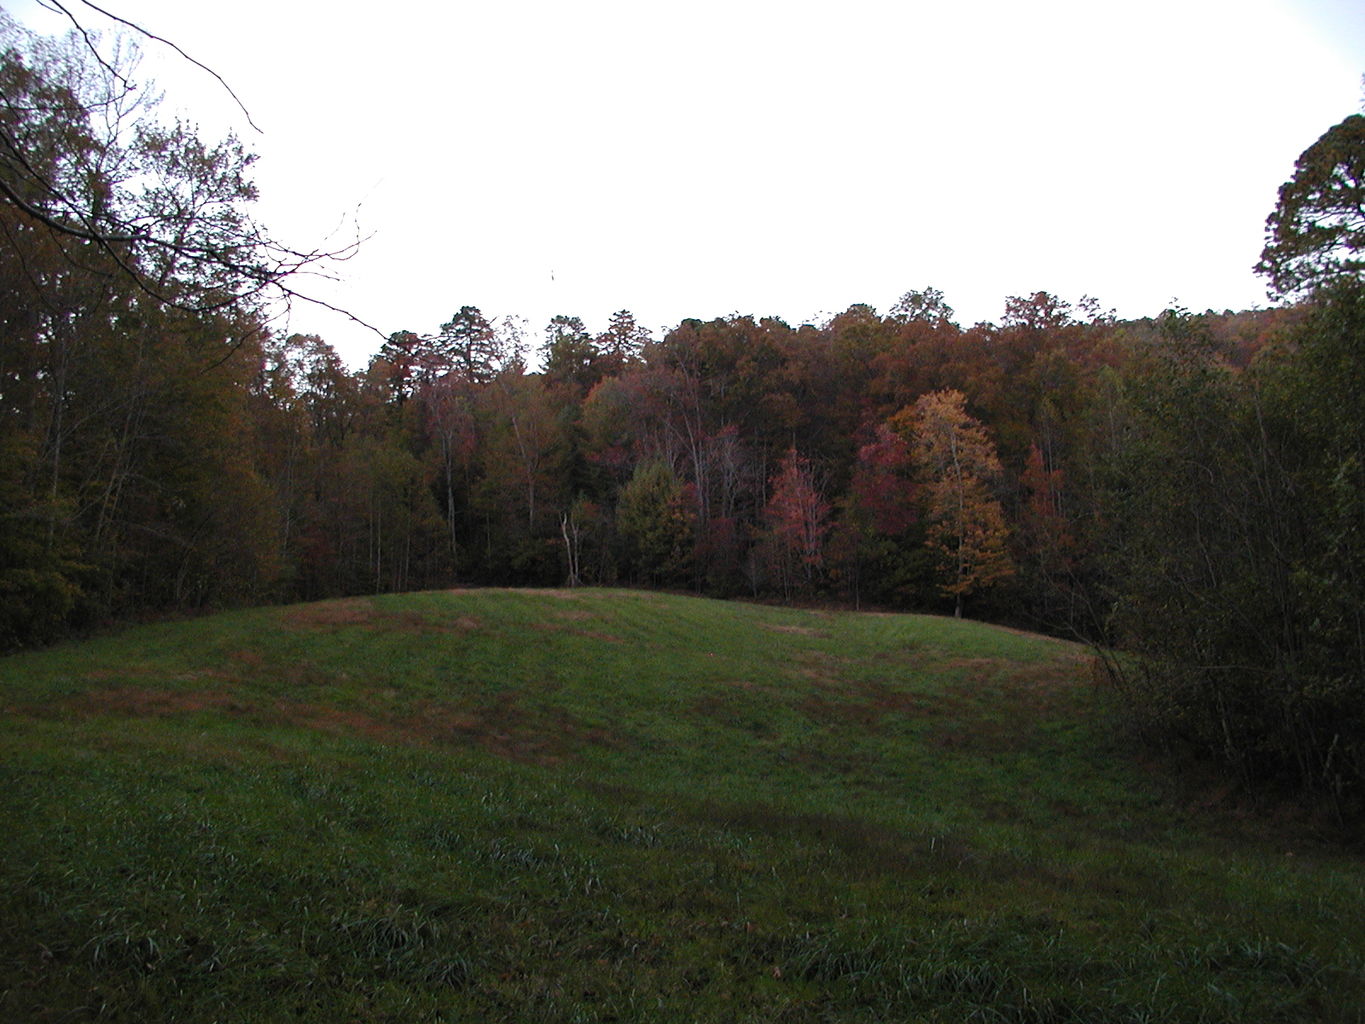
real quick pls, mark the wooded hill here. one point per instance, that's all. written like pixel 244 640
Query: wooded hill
pixel 1188 487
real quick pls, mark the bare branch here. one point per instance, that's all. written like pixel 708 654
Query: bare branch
pixel 165 42
pixel 165 252
pixel 58 7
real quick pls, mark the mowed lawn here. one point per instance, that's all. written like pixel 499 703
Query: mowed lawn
pixel 596 805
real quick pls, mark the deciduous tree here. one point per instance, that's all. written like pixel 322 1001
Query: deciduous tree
pixel 966 523
pixel 928 306
pixel 86 164
pixel 655 518
pixel 797 523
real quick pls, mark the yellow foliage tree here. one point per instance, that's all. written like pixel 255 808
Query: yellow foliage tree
pixel 956 459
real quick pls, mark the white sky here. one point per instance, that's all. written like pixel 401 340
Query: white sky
pixel 767 157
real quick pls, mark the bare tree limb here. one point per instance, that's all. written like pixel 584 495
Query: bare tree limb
pixel 57 5
pixel 238 263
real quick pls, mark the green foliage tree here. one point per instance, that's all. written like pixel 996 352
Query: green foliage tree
pixel 131 279
pixel 1234 506
pixel 656 520
pixel 523 452
pixel 1040 311
pixel 927 306
pixel 469 345
pixel 624 340
pixel 1319 400
pixel 1316 233
pixel 569 355
pixel 403 363
pixel 1234 499
pixel 40 577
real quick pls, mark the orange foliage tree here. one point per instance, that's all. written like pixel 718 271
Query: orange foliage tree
pixel 956 459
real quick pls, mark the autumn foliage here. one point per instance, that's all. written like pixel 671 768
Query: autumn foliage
pixel 1187 486
pixel 959 467
pixel 797 521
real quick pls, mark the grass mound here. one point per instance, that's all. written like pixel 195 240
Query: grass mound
pixel 607 806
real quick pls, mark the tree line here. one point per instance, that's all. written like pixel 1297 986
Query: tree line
pixel 1187 489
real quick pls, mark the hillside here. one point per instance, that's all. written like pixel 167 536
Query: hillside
pixel 607 806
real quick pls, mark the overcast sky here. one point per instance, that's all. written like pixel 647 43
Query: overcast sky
pixel 534 157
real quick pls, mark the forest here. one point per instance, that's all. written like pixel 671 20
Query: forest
pixel 1185 490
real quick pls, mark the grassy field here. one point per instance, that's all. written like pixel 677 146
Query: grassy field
pixel 609 806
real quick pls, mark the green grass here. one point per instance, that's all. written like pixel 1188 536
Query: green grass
pixel 608 806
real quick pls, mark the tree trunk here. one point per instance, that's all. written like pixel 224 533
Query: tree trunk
pixel 571 546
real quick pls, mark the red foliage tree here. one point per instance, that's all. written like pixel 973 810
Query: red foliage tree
pixel 798 521
pixel 883 487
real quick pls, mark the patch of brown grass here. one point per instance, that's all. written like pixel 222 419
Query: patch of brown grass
pixel 824 670
pixel 796 630
pixel 561 594
pixel 977 668
pixel 414 622
pixel 591 634
pixel 351 611
pixel 144 702
pixel 504 728
pixel 362 612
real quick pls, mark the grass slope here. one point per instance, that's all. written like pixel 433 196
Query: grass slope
pixel 607 806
